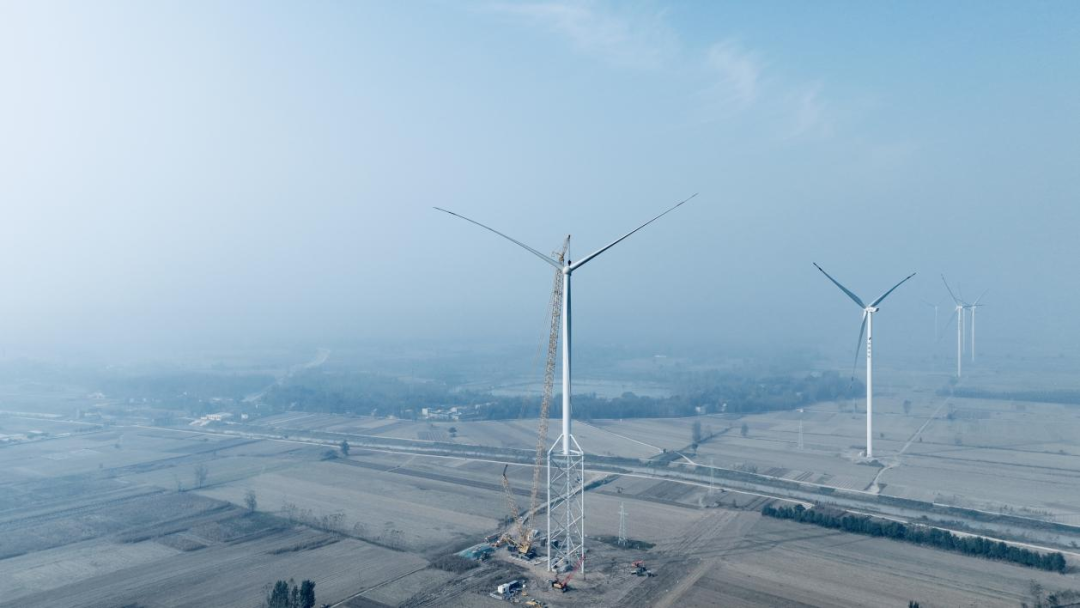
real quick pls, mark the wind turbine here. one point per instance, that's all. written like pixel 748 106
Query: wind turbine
pixel 973 307
pixel 959 327
pixel 934 305
pixel 566 470
pixel 962 308
pixel 868 328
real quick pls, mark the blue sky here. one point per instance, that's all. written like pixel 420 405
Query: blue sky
pixel 217 174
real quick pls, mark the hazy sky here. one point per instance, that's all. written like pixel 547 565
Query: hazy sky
pixel 233 174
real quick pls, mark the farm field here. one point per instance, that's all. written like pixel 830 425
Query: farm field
pixel 118 515
pixel 121 534
pixel 933 448
pixel 949 450
pixel 754 561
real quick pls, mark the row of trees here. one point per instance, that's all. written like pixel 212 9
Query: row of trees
pixel 286 594
pixel 1065 396
pixel 1044 598
pixel 714 392
pixel 920 535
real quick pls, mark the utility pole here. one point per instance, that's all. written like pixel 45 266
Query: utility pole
pixel 622 525
pixel 800 429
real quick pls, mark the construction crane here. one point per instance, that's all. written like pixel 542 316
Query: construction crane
pixel 549 379
pixel 638 569
pixel 564 584
pixel 523 542
pixel 524 539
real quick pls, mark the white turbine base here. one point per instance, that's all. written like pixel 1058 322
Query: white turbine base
pixel 565 506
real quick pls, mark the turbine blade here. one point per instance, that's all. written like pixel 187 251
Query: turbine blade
pixel 886 294
pixel 976 302
pixel 944 330
pixel 514 241
pixel 842 288
pixel 951 294
pixel 858 345
pixel 592 255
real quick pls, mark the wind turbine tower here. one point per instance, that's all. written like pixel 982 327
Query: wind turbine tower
pixel 962 308
pixel 622 525
pixel 868 329
pixel 566 459
pixel 935 307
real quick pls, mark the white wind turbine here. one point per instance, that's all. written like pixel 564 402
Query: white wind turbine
pixel 935 306
pixel 959 315
pixel 868 328
pixel 569 466
pixel 973 307
pixel 962 308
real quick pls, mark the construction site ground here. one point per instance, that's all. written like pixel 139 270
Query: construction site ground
pixel 120 519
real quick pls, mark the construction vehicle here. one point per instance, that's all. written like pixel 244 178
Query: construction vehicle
pixel 522 545
pixel 564 584
pixel 638 569
pixel 511 588
pixel 510 592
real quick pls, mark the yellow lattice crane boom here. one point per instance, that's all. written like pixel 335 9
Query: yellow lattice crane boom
pixel 522 540
pixel 524 537
pixel 549 380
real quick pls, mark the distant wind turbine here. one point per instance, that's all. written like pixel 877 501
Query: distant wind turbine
pixel 973 307
pixel 935 306
pixel 962 307
pixel 868 329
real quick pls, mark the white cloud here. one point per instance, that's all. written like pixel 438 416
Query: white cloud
pixel 737 79
pixel 738 73
pixel 640 38
pixel 809 111
pixel 745 85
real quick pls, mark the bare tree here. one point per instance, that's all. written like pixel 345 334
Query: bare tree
pixel 201 472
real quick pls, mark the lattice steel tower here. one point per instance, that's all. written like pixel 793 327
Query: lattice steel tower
pixel 622 525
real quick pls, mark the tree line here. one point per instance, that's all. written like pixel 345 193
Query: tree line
pixel 1063 396
pixel 286 594
pixel 708 392
pixel 920 535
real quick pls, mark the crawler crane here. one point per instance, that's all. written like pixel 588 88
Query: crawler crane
pixel 524 540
